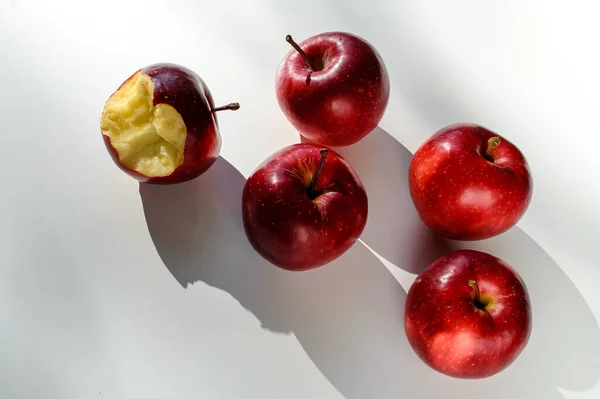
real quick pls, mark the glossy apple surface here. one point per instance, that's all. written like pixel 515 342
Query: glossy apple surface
pixel 469 183
pixel 333 88
pixel 468 315
pixel 303 207
pixel 160 125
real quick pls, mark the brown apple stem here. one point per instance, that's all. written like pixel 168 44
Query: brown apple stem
pixel 296 47
pixel 492 144
pixel 315 178
pixel 475 286
pixel 232 107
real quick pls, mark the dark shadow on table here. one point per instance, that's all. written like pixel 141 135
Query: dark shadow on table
pixel 348 315
pixel 394 229
pixel 564 348
pixel 565 342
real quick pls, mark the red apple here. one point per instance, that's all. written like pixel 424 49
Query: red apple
pixel 160 125
pixel 303 207
pixel 333 88
pixel 469 183
pixel 468 315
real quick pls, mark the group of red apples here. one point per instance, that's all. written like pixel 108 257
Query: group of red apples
pixel 468 314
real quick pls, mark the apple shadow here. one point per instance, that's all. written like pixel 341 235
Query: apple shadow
pixel 564 347
pixel 394 229
pixel 197 230
pixel 348 315
pixel 565 342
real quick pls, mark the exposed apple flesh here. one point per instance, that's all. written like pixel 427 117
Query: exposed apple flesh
pixel 148 139
pixel 160 125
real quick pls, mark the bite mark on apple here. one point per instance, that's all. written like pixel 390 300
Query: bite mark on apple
pixel 148 139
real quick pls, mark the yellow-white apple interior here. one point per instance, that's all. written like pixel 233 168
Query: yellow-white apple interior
pixel 148 139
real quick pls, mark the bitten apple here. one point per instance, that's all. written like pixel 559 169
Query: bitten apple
pixel 160 125
pixel 469 183
pixel 468 315
pixel 333 88
pixel 303 207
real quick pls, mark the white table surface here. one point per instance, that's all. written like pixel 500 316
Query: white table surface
pixel 112 290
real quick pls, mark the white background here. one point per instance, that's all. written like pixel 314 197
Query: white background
pixel 112 290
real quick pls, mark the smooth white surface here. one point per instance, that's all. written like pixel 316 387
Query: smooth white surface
pixel 112 290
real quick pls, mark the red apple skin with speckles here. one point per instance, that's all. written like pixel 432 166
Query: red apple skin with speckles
pixel 461 192
pixel 452 332
pixel 292 229
pixel 341 103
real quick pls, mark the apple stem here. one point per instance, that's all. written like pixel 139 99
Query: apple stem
pixel 492 144
pixel 232 107
pixel 313 182
pixel 296 47
pixel 475 286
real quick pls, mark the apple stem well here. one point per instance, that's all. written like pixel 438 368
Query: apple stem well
pixel 316 64
pixel 231 106
pixel 492 144
pixel 480 302
pixel 310 190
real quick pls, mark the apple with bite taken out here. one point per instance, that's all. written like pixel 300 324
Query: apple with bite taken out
pixel 468 315
pixel 333 88
pixel 160 125
pixel 469 183
pixel 303 207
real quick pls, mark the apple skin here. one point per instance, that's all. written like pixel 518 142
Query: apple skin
pixel 289 228
pixel 340 104
pixel 461 194
pixel 184 90
pixel 450 333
